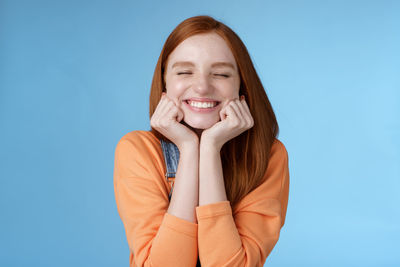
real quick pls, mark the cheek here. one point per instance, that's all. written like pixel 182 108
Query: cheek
pixel 175 88
pixel 231 90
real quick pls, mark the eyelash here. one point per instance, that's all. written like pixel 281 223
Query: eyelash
pixel 216 74
pixel 223 75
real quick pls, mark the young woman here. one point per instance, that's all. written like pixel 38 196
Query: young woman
pixel 229 197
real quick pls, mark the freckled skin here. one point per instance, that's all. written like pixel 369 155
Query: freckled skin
pixel 200 78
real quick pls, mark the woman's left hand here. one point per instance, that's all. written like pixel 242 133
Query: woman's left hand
pixel 235 119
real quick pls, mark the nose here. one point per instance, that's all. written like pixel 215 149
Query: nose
pixel 202 85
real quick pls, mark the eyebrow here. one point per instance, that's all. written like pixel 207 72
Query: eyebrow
pixel 191 64
pixel 182 64
pixel 223 64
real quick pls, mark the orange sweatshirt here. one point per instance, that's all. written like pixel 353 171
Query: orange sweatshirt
pixel 244 236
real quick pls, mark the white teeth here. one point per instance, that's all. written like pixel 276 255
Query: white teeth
pixel 202 104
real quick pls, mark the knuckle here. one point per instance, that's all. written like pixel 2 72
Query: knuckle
pixel 235 124
pixel 164 124
pixel 169 104
pixel 153 124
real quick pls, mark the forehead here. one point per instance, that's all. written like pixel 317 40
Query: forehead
pixel 202 48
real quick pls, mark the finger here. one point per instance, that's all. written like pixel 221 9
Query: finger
pixel 222 113
pixel 163 96
pixel 177 103
pixel 173 113
pixel 245 105
pixel 231 113
pixel 160 104
pixel 166 106
pixel 235 105
pixel 246 115
pixel 180 115
pixel 158 113
pixel 241 119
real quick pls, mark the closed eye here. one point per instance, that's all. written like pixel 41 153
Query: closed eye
pixel 183 73
pixel 222 75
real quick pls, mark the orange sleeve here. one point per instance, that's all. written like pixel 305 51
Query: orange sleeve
pixel 246 236
pixel 155 238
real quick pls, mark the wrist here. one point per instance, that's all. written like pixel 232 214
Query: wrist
pixel 209 146
pixel 189 146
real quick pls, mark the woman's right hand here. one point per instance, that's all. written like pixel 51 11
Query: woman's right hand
pixel 166 120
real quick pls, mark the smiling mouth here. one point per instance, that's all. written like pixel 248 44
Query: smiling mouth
pixel 205 105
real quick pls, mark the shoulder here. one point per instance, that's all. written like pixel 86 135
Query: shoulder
pixel 140 141
pixel 278 162
pixel 278 147
pixel 139 148
pixel 278 152
pixel 139 158
pixel 140 137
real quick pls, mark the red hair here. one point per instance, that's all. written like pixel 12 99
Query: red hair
pixel 244 158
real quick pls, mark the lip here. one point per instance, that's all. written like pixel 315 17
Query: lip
pixel 197 99
pixel 201 110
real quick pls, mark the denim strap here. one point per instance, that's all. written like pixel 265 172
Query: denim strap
pixel 171 158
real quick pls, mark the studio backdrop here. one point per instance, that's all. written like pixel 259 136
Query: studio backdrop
pixel 75 77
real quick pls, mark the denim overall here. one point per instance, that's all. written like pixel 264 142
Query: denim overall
pixel 171 158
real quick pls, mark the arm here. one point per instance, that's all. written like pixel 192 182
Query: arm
pixel 154 236
pixel 185 197
pixel 246 236
pixel 211 179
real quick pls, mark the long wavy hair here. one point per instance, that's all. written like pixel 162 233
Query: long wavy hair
pixel 244 158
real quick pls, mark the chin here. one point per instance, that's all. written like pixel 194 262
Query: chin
pixel 200 124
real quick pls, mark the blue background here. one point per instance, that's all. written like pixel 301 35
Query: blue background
pixel 75 77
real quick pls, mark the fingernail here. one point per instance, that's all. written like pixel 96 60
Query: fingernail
pixel 241 97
